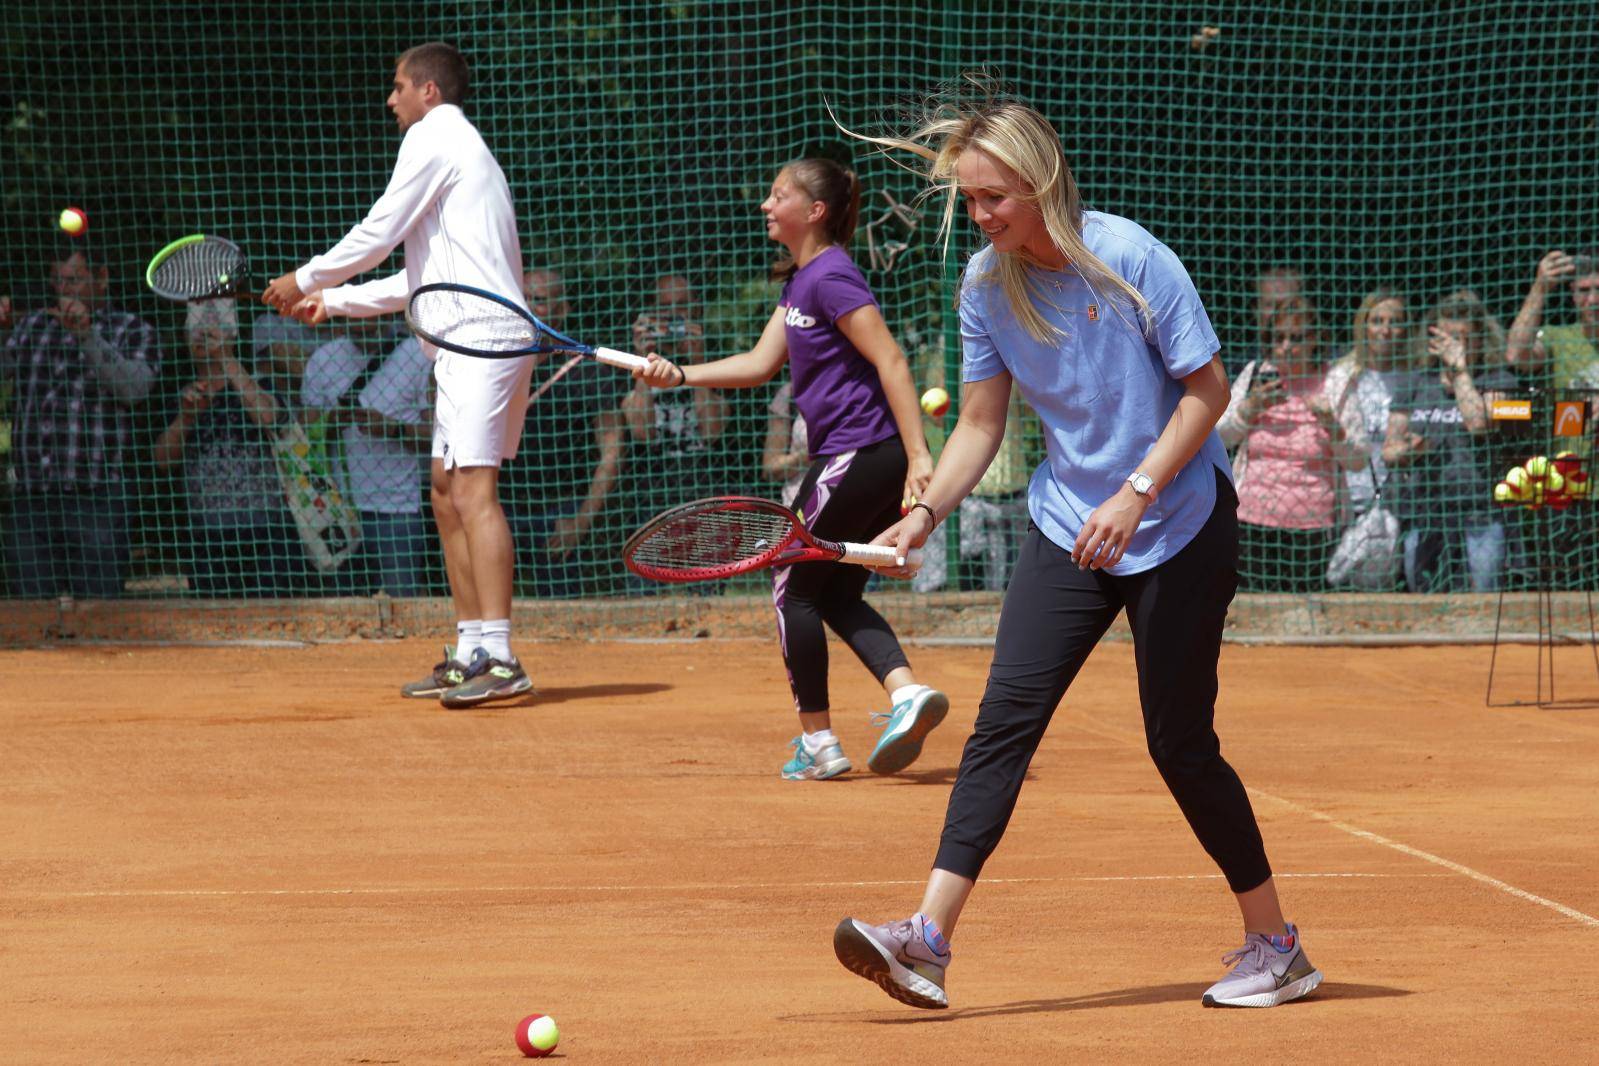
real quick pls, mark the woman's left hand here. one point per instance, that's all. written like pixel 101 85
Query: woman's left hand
pixel 918 473
pixel 1446 348
pixel 1105 536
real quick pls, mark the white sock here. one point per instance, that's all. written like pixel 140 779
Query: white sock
pixel 903 693
pixel 497 638
pixel 468 639
pixel 815 742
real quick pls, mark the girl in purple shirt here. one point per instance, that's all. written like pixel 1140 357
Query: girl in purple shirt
pixel 868 456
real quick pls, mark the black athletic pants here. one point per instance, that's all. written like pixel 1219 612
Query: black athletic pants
pixel 1054 614
pixel 854 496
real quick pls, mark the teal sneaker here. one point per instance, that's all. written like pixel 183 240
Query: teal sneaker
pixel 488 679
pixel 904 729
pixel 829 762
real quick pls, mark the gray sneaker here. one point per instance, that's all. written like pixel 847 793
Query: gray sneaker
pixel 906 959
pixel 1266 973
pixel 445 676
pixel 488 679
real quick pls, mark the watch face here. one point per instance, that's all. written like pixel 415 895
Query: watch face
pixel 1141 484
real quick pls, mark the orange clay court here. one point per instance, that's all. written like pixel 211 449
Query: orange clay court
pixel 263 855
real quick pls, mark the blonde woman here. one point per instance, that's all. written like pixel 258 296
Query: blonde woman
pixel 1098 324
pixel 1362 382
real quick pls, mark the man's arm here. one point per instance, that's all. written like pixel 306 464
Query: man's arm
pixel 126 369
pixel 259 404
pixel 377 424
pixel 380 297
pixel 420 174
pixel 569 532
pixel 1522 348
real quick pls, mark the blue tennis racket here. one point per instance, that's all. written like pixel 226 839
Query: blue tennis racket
pixel 460 318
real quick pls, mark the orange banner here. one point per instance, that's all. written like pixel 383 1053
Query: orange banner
pixel 1571 418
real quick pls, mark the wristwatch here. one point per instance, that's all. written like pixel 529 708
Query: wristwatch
pixel 1143 484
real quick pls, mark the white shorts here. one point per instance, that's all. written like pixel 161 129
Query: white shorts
pixel 482 404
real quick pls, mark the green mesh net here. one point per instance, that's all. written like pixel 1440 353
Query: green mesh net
pixel 1315 152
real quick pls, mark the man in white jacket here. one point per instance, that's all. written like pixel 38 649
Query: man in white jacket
pixel 449 204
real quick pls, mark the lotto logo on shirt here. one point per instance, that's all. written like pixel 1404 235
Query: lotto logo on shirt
pixel 798 319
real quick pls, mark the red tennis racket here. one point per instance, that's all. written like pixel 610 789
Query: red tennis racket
pixel 728 535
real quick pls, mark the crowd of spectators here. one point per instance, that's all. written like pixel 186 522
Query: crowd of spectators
pixel 1364 451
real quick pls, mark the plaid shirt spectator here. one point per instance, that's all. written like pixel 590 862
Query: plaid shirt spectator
pixel 72 425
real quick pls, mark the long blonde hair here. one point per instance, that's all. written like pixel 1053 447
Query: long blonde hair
pixel 1016 136
pixel 1357 359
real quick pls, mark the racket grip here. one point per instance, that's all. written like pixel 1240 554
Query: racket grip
pixel 878 555
pixel 613 357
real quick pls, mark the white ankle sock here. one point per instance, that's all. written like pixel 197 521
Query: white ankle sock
pixel 903 693
pixel 497 638
pixel 468 638
pixel 815 742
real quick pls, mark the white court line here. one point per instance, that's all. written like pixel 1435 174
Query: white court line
pixel 426 890
pixel 1088 725
pixel 1436 860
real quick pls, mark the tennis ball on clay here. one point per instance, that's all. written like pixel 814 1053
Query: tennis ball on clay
pixel 537 1035
pixel 1538 467
pixel 74 221
pixel 935 402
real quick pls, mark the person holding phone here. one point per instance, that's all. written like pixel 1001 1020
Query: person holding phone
pixel 1291 441
pixel 1568 355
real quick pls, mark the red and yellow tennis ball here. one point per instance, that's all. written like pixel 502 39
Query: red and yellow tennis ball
pixel 1519 484
pixel 74 221
pixel 537 1035
pixel 1538 467
pixel 935 401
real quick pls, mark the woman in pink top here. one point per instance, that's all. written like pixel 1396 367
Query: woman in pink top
pixel 1290 449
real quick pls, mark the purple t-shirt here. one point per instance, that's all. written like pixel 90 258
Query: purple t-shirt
pixel 835 388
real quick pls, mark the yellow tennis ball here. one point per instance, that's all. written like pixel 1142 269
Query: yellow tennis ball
pixel 1518 480
pixel 1538 467
pixel 73 221
pixel 1556 482
pixel 1504 493
pixel 536 1035
pixel 935 402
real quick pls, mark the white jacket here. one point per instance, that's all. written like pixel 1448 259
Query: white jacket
pixel 449 203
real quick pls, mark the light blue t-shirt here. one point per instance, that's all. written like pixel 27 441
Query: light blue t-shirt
pixel 1106 392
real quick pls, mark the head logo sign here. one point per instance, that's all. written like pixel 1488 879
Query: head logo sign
pixel 1571 416
pixel 1507 408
